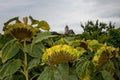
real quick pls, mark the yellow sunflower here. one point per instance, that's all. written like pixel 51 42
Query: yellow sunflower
pixel 103 55
pixel 60 53
pixel 79 43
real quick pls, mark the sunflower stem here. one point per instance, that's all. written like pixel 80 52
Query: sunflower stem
pixel 25 63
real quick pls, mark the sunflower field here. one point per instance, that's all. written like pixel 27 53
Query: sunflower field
pixel 29 51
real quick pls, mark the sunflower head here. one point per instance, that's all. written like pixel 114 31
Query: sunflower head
pixel 113 51
pixel 103 55
pixel 93 45
pixel 60 53
pixel 80 43
pixel 21 31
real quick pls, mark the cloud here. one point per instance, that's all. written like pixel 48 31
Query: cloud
pixel 105 8
pixel 59 13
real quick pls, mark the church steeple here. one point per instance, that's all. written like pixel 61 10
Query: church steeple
pixel 66 29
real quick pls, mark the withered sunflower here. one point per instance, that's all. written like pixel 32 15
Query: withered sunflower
pixel 113 51
pixel 103 55
pixel 80 43
pixel 60 53
pixel 93 45
pixel 21 31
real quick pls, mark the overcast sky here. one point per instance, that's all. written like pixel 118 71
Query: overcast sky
pixel 59 13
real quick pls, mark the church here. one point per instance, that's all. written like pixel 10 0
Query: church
pixel 68 31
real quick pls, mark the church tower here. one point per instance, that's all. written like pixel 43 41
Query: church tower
pixel 66 29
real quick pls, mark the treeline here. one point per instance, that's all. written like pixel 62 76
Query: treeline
pixel 103 32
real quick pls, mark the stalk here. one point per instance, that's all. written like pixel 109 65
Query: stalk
pixel 25 63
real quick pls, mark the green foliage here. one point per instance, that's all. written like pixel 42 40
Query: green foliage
pixel 82 68
pixel 116 63
pixel 106 75
pixel 63 71
pixel 10 50
pixel 97 30
pixel 36 50
pixel 40 24
pixel 47 74
pixel 98 27
pixel 60 72
pixel 42 36
pixel 114 37
pixel 33 63
pixel 10 68
pixel 4 39
pixel 22 59
pixel 43 25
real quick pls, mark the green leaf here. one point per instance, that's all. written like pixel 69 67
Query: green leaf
pixel 10 49
pixel 36 50
pixel 0 54
pixel 10 68
pixel 82 67
pixel 27 48
pixel 61 41
pixel 57 75
pixel 73 77
pixel 63 70
pixel 106 75
pixel 4 39
pixel 17 76
pixel 109 66
pixel 117 67
pixel 41 36
pixel 33 21
pixel 0 35
pixel 43 25
pixel 60 72
pixel 33 63
pixel 47 74
pixel 9 78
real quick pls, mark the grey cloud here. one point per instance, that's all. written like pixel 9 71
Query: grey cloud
pixel 108 1
pixel 104 8
pixel 111 14
pixel 60 12
pixel 103 1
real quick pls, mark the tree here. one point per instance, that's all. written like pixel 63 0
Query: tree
pixel 114 37
pixel 97 30
pixel 92 27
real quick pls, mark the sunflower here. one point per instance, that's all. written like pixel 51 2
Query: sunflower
pixel 94 45
pixel 80 43
pixel 60 53
pixel 113 51
pixel 103 55
pixel 21 31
